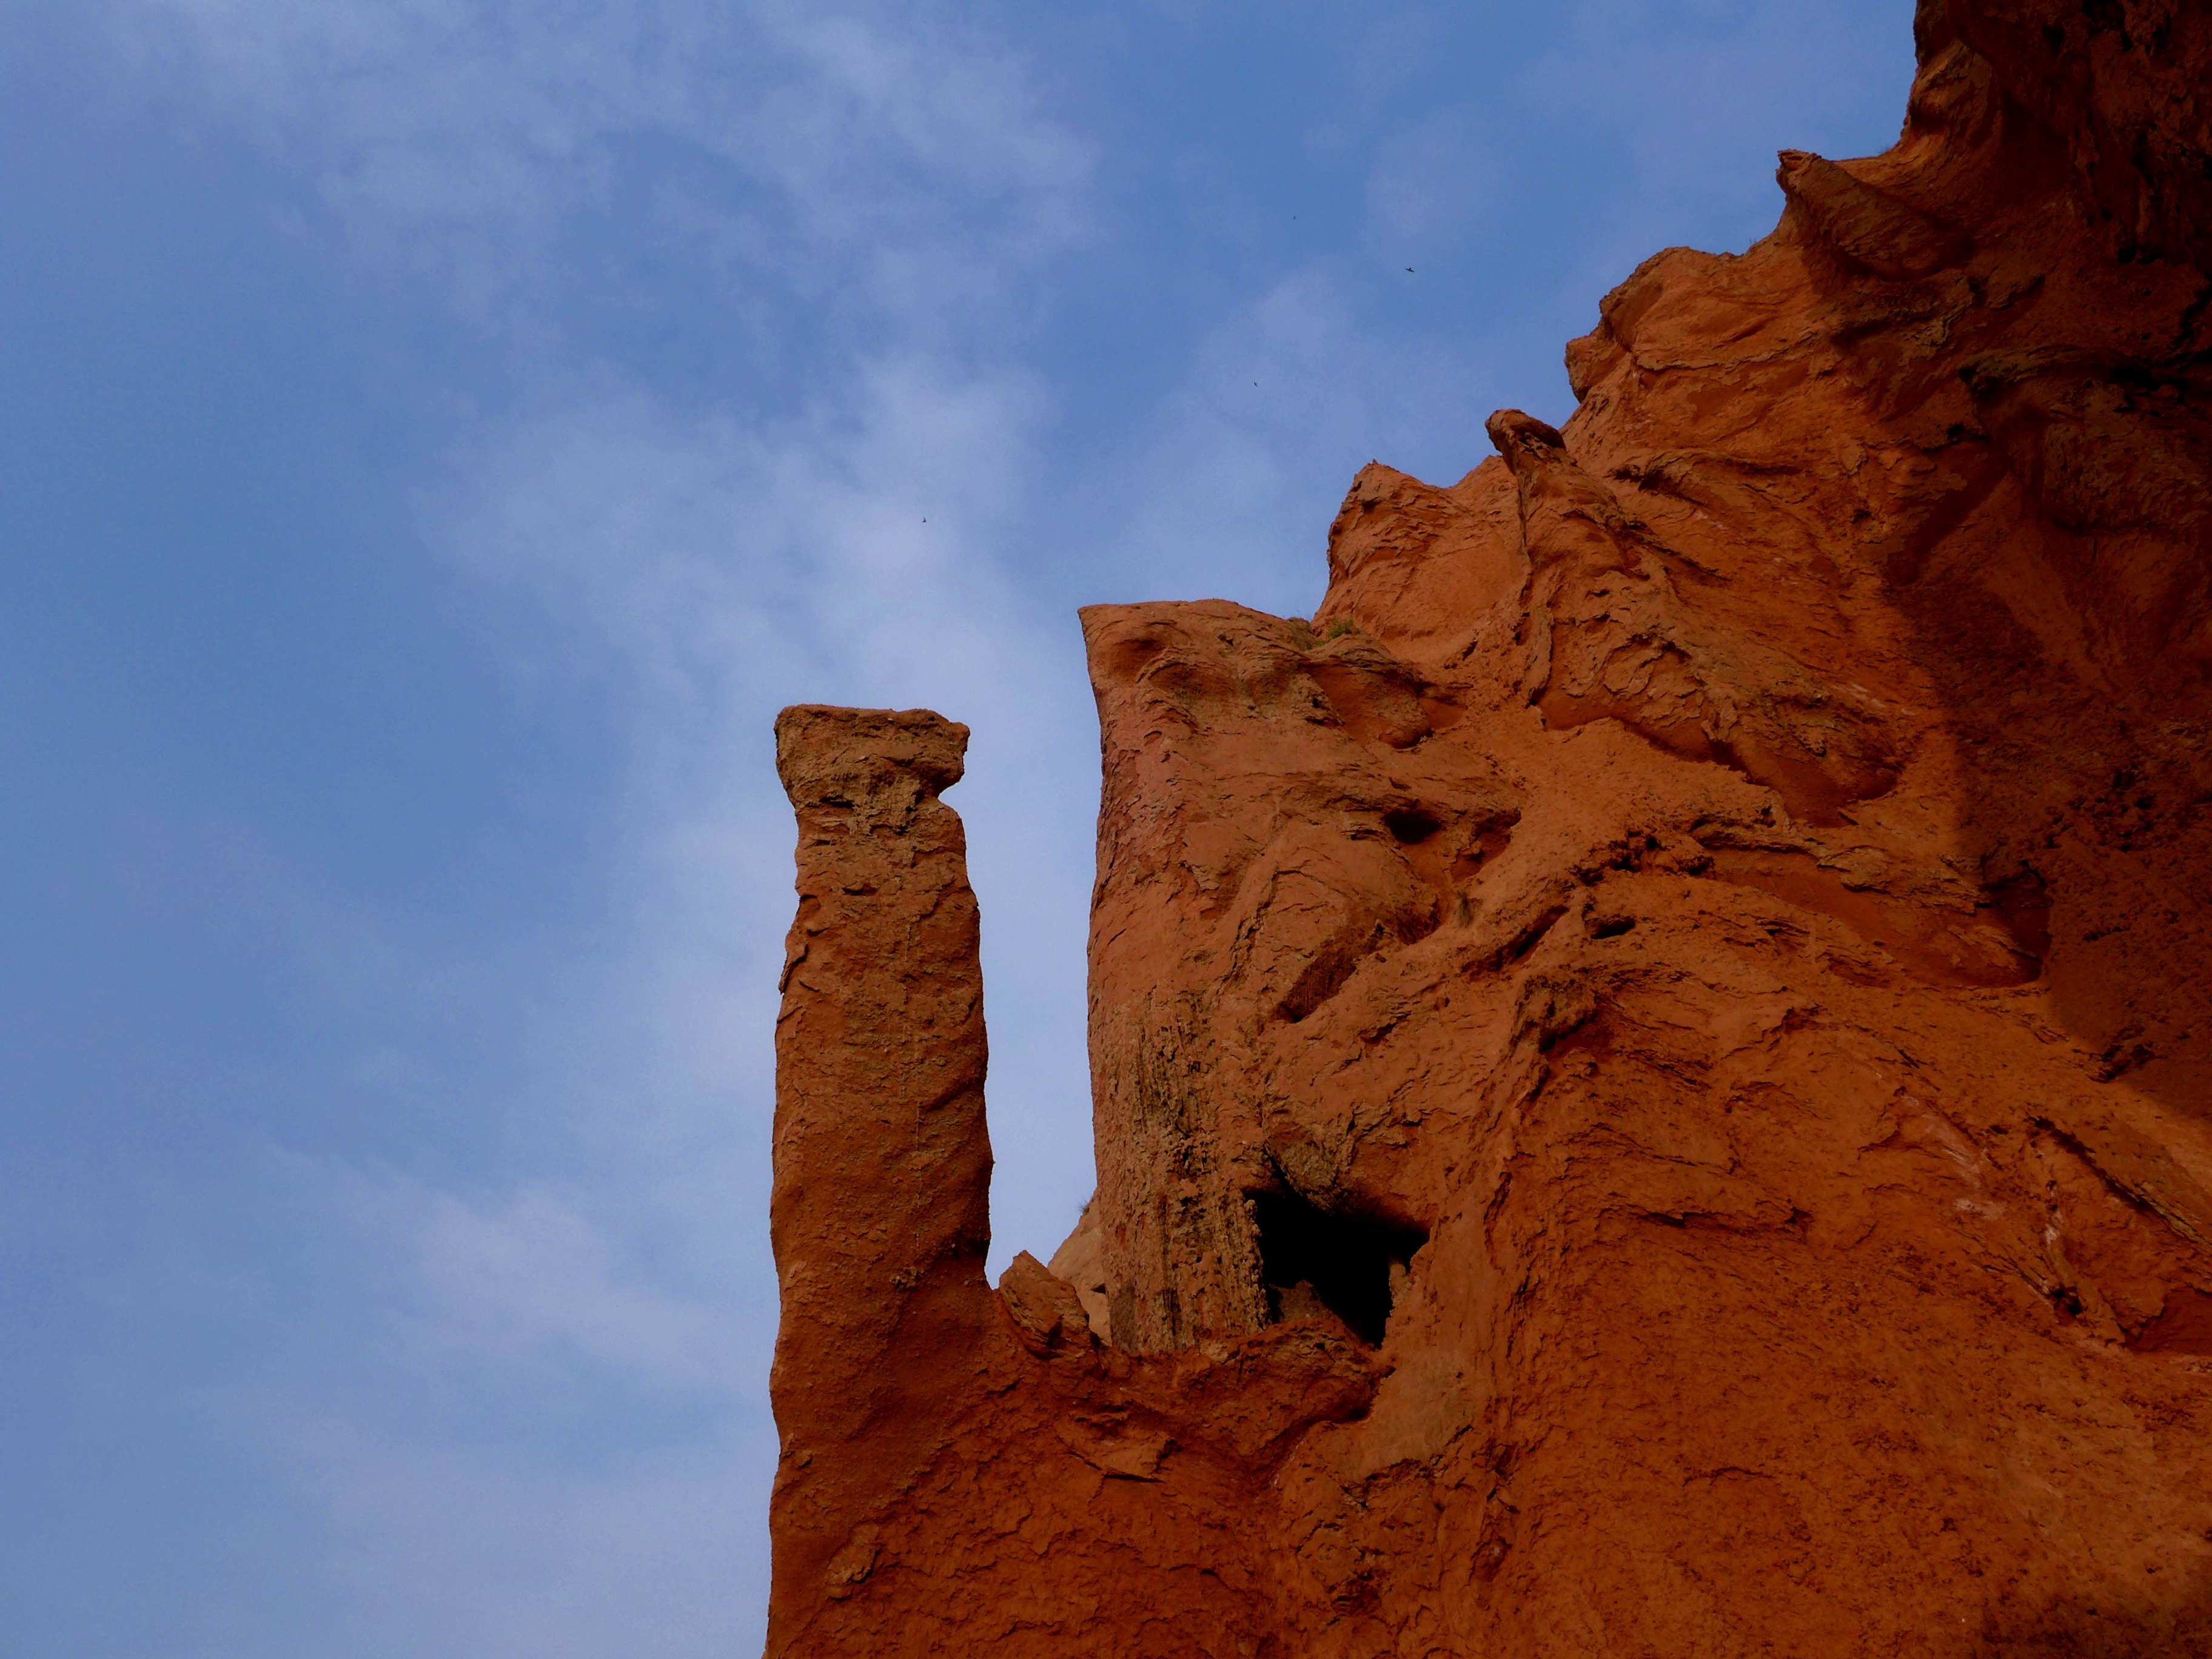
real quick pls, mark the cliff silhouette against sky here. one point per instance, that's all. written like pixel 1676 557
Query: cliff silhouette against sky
pixel 1652 1062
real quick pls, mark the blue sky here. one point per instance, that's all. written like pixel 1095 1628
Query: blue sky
pixel 436 435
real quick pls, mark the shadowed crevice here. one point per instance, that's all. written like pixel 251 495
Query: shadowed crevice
pixel 1312 1262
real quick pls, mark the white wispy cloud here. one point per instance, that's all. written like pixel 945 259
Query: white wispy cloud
pixel 879 185
pixel 893 159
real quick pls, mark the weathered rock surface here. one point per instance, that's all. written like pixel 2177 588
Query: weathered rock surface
pixel 1653 1061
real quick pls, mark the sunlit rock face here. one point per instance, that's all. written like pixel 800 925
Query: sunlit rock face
pixel 1653 1060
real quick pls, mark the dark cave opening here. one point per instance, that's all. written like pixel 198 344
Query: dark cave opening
pixel 1310 1260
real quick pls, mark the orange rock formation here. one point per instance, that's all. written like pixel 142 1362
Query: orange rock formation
pixel 1653 1062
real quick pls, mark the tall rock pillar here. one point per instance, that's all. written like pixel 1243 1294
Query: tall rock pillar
pixel 880 1211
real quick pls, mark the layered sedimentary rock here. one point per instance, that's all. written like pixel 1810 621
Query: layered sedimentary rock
pixel 1653 1060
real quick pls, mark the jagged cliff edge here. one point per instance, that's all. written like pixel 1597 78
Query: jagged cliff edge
pixel 1653 1067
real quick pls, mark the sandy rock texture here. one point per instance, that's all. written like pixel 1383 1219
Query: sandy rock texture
pixel 1653 1060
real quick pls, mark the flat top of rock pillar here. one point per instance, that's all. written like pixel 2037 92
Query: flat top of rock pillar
pixel 831 755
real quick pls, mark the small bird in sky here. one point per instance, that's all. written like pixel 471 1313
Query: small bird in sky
pixel 1409 270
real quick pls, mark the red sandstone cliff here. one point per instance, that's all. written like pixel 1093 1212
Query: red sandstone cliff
pixel 1653 1062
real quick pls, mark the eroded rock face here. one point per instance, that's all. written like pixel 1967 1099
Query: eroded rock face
pixel 1653 1061
pixel 966 1470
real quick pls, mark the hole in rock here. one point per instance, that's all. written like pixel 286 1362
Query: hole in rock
pixel 1310 1261
pixel 1410 825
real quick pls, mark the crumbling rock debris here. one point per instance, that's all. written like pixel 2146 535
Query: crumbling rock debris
pixel 1652 1062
